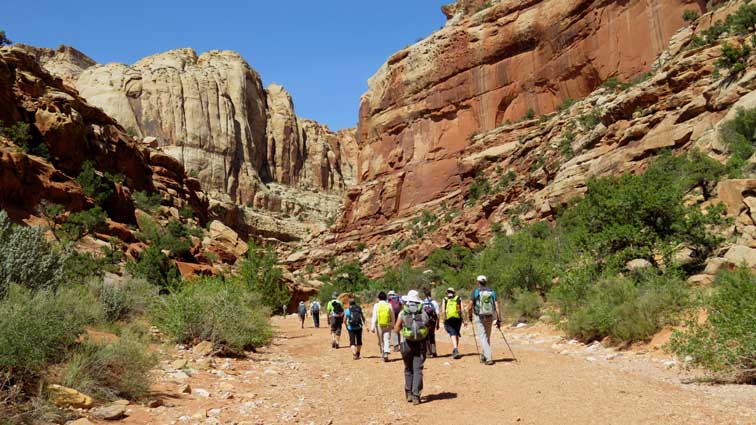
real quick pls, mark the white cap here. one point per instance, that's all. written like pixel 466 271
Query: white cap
pixel 412 297
pixel 392 292
pixel 482 278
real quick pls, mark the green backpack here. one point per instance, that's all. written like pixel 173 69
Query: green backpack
pixel 486 305
pixel 415 322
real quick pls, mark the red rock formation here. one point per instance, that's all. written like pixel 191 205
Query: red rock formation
pixel 482 70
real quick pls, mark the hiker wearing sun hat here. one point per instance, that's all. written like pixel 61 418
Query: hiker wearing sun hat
pixel 486 313
pixel 396 305
pixel 412 324
pixel 451 313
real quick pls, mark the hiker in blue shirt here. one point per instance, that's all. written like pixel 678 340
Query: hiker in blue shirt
pixel 486 313
pixel 355 320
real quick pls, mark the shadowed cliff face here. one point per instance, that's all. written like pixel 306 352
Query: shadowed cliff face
pixel 486 68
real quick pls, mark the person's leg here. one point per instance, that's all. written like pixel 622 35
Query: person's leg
pixel 432 341
pixel 418 360
pixel 353 343
pixel 480 330
pixel 408 359
pixel 486 335
pixel 339 324
pixel 358 342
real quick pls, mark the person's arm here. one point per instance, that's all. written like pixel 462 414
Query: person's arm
pixel 442 311
pixel 498 312
pixel 374 318
pixel 398 324
pixel 393 316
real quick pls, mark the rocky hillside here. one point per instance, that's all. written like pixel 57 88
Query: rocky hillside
pixel 266 171
pixel 449 152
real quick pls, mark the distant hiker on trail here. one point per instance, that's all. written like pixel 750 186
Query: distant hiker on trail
pixel 302 311
pixel 486 313
pixel 412 323
pixel 335 318
pixel 451 312
pixel 382 323
pixel 355 321
pixel 430 307
pixel 315 312
pixel 396 305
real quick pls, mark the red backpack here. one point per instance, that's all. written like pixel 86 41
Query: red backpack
pixel 396 305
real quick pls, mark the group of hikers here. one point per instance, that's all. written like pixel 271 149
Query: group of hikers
pixel 408 324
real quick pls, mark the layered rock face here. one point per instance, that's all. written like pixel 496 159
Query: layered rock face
pixel 64 62
pixel 482 70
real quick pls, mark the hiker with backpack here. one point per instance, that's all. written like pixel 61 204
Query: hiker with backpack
pixel 315 312
pixel 412 324
pixel 382 323
pixel 335 318
pixel 486 313
pixel 302 311
pixel 451 312
pixel 396 305
pixel 430 306
pixel 355 321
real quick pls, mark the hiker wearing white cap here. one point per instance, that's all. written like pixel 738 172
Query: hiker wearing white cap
pixel 430 306
pixel 302 311
pixel 486 313
pixel 451 313
pixel 396 305
pixel 382 323
pixel 335 311
pixel 412 323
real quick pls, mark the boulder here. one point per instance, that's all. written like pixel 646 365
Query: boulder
pixel 638 263
pixel 68 397
pixel 110 412
pixel 204 348
pixel 741 255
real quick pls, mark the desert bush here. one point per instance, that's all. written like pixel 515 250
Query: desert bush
pixel 480 187
pixel 111 370
pixel 83 223
pixel 4 39
pixel 734 58
pixel 590 120
pixel 743 21
pixel 725 344
pixel 739 135
pixel 94 185
pixel 124 300
pixel 259 273
pixel 149 202
pixel 19 133
pixel 226 313
pixel 690 15
pixel 27 258
pixel 174 238
pixel 155 267
pixel 529 115
pixel 628 309
pixel 38 328
pixel 527 304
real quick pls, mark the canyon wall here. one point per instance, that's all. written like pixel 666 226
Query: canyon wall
pixel 486 68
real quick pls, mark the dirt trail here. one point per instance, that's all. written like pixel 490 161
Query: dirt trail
pixel 300 379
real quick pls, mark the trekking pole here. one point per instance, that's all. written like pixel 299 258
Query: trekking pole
pixel 475 338
pixel 508 346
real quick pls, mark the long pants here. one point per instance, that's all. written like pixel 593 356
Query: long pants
pixel 384 339
pixel 394 338
pixel 483 326
pixel 316 319
pixel 413 355
pixel 431 340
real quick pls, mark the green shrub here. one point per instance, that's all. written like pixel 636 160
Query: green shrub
pixel 19 133
pixel 112 370
pixel 155 267
pixel 589 121
pixel 478 188
pixel 565 144
pixel 149 202
pixel 743 21
pixel 566 104
pixel 84 223
pixel 527 304
pixel 125 300
pixel 529 115
pixel 626 309
pixel 174 238
pixel 226 313
pixel 186 211
pixel 690 15
pixel 715 31
pixel 259 272
pixel 739 135
pixel 27 258
pixel 4 41
pixel 93 184
pixel 38 328
pixel 734 58
pixel 726 343
pixel 611 83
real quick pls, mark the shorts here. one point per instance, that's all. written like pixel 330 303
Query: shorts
pixel 336 323
pixel 453 326
pixel 355 337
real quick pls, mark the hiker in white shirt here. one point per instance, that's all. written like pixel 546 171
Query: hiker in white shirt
pixel 382 322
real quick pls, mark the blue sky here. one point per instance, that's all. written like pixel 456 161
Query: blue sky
pixel 323 52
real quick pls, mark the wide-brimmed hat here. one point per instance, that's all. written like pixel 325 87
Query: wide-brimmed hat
pixel 482 279
pixel 412 297
pixel 392 292
pixel 451 290
pixel 335 295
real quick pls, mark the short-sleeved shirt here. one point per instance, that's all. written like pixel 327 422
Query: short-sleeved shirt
pixel 348 316
pixel 476 297
pixel 329 306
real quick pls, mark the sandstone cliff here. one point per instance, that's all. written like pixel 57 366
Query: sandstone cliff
pixel 419 173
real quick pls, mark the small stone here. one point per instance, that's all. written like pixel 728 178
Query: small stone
pixel 270 371
pixel 200 414
pixel 226 386
pixel 214 412
pixel 155 403
pixel 68 397
pixel 185 389
pixel 669 363
pixel 226 396
pixel 178 376
pixel 110 412
pixel 201 392
pixel 82 421
pixel 179 364
pixel 590 359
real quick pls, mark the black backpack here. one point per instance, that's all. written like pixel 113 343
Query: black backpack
pixel 338 308
pixel 355 317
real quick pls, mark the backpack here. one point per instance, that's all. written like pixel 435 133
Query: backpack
pixel 384 315
pixel 414 322
pixel 302 310
pixel 396 304
pixel 315 307
pixel 355 317
pixel 451 306
pixel 486 305
pixel 430 310
pixel 337 308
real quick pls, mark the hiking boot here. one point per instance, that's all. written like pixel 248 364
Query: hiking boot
pixel 415 400
pixel 489 362
pixel 482 358
pixel 410 398
pixel 385 357
pixel 336 345
pixel 455 354
pixel 355 357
